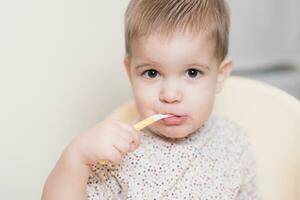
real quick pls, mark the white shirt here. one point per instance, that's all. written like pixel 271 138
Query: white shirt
pixel 213 163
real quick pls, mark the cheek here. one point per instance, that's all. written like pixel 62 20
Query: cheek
pixel 202 93
pixel 145 98
pixel 201 100
pixel 200 104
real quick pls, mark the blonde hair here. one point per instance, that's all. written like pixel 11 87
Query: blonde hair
pixel 145 17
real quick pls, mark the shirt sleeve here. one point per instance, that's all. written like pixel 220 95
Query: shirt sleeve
pixel 248 189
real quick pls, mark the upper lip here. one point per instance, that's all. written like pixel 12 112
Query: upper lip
pixel 173 114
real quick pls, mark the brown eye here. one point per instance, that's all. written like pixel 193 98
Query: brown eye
pixel 193 73
pixel 151 73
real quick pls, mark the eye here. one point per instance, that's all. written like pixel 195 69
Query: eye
pixel 193 73
pixel 151 73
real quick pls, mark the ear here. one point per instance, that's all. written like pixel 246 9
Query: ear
pixel 224 72
pixel 127 67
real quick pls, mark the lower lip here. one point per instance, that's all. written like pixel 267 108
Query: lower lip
pixel 175 120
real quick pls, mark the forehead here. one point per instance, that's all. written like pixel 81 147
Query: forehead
pixel 177 48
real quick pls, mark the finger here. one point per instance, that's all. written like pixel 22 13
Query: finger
pixel 121 145
pixel 136 138
pixel 130 138
pixel 133 147
pixel 114 156
pixel 134 133
pixel 126 126
pixel 126 135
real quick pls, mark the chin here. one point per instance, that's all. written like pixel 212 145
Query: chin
pixel 172 131
pixel 174 136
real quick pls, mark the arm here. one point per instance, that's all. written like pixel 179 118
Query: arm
pixel 67 180
pixel 109 140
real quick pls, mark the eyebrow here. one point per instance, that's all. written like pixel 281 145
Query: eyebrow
pixel 141 66
pixel 188 65
pixel 200 65
pixel 145 65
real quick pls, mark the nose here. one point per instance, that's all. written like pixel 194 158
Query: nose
pixel 170 92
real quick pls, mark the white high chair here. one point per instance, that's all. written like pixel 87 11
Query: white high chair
pixel 272 119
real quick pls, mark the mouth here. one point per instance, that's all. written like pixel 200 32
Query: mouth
pixel 174 119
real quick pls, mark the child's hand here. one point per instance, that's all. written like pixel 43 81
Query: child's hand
pixel 108 140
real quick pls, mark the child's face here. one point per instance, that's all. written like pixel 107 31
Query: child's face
pixel 179 76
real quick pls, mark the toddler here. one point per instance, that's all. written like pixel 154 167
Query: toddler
pixel 176 61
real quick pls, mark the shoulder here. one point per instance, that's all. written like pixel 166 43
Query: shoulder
pixel 230 149
pixel 230 137
pixel 230 131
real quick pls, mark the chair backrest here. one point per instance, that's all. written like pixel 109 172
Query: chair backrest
pixel 272 119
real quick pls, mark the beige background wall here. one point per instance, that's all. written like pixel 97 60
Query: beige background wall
pixel 61 72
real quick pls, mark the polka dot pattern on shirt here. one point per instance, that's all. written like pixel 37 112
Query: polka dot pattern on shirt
pixel 214 163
